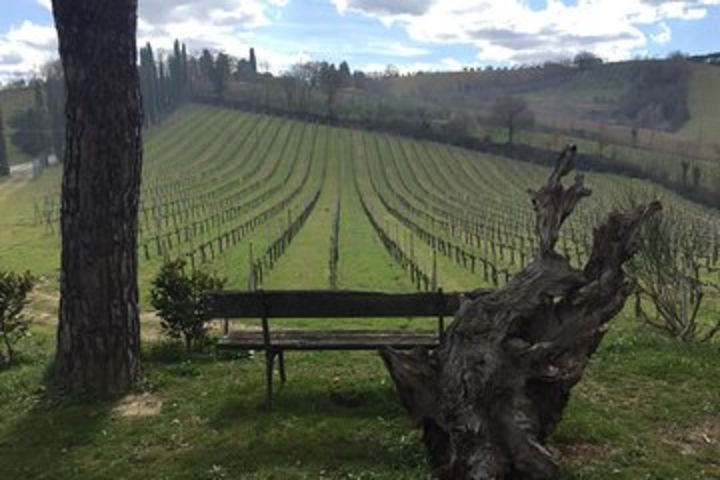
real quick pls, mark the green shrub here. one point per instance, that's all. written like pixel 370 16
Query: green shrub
pixel 179 298
pixel 14 290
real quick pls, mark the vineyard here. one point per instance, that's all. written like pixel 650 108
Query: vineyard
pixel 274 203
pixel 231 191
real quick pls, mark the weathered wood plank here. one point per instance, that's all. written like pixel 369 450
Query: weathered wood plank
pixel 329 340
pixel 328 304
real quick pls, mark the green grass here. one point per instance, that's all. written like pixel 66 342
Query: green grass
pixel 646 409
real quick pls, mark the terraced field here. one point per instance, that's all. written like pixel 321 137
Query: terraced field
pixel 217 182
pixel 274 203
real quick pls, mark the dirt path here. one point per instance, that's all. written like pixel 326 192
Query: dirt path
pixel 13 184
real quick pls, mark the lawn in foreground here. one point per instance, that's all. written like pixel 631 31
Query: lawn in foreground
pixel 646 409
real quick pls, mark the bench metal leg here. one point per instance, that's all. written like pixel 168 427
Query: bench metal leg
pixel 281 366
pixel 269 360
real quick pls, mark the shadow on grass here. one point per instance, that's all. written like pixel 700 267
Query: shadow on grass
pixel 340 429
pixel 17 361
pixel 339 453
pixel 169 351
pixel 42 441
pixel 305 401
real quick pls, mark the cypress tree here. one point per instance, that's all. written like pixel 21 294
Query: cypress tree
pixel 175 71
pixel 206 65
pixel 4 161
pixel 253 61
pixel 145 88
pixel 154 84
pixel 40 123
pixel 221 73
pixel 185 76
pixel 162 87
pixel 55 94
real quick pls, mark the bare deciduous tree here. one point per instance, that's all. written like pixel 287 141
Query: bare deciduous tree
pixel 667 272
pixel 512 113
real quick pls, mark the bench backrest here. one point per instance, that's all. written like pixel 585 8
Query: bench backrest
pixel 331 303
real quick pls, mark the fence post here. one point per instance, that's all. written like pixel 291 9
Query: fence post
pixel 434 279
pixel 252 282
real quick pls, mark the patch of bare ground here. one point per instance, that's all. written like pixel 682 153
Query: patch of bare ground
pixel 42 318
pixel 629 393
pixel 45 296
pixel 580 452
pixel 150 327
pixel 43 304
pixel 139 405
pixel 696 439
pixel 12 185
pixel 217 327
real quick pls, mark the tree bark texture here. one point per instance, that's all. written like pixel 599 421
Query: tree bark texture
pixel 98 337
pixel 493 392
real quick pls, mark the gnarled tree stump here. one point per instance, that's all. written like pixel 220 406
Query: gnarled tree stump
pixel 493 392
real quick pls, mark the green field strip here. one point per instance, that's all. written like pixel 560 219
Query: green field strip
pixel 234 263
pixel 449 275
pixel 204 156
pixel 459 232
pixel 304 265
pixel 364 263
pixel 216 217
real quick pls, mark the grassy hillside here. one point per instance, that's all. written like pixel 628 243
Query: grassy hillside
pixel 592 99
pixel 554 91
pixel 704 103
pixel 646 409
pixel 696 138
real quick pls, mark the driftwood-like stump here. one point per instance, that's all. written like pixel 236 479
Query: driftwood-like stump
pixel 493 392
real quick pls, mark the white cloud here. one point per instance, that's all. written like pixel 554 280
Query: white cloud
pixel 511 31
pixel 385 7
pixel 225 25
pixel 397 49
pixel 444 65
pixel 663 35
pixel 392 49
pixel 503 31
pixel 25 48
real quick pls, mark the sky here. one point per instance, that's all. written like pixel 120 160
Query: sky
pixel 413 35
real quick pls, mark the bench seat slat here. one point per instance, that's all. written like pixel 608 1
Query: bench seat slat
pixel 334 303
pixel 329 339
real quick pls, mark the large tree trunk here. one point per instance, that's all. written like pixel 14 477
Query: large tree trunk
pixel 490 396
pixel 99 332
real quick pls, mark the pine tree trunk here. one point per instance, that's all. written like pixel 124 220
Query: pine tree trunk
pixel 493 392
pixel 99 332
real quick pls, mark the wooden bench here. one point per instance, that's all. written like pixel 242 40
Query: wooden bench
pixel 266 305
